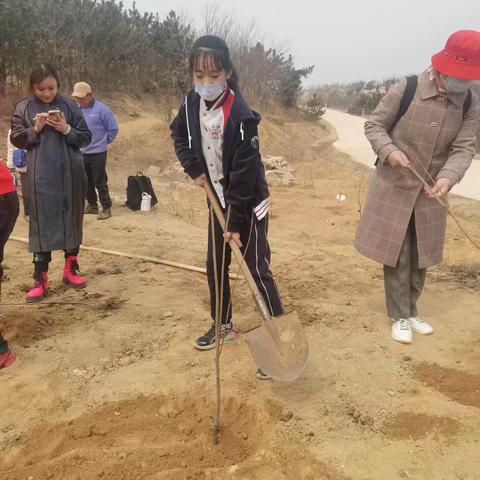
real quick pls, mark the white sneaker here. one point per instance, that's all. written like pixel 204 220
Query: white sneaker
pixel 420 326
pixel 402 331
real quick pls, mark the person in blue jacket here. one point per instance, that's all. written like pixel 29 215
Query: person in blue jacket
pixel 103 125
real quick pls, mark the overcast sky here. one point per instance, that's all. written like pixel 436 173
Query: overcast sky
pixel 346 40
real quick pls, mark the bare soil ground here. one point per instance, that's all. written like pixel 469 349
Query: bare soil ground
pixel 111 387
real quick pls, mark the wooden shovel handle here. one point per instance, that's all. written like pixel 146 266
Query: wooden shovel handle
pixel 258 297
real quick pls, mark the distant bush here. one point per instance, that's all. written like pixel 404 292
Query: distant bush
pixel 358 98
pixel 315 107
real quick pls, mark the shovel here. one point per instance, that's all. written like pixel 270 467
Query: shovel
pixel 278 345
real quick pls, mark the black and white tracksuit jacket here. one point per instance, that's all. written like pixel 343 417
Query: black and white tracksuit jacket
pixel 244 184
pixel 245 189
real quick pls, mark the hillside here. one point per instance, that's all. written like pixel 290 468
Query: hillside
pixel 111 387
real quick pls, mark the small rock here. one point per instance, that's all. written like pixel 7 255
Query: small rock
pixel 168 314
pixel 286 416
pixel 391 393
pixel 82 431
pixel 116 413
pixel 407 358
pixel 245 436
pixel 124 361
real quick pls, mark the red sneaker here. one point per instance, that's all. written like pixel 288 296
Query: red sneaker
pixel 71 274
pixel 39 290
pixel 6 359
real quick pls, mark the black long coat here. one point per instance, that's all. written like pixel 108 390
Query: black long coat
pixel 55 172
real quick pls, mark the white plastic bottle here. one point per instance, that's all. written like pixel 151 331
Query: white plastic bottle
pixel 146 204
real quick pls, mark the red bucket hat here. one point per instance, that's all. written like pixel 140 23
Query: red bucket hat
pixel 461 56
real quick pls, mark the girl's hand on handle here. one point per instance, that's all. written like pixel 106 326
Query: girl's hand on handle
pixel 441 187
pixel 40 122
pixel 58 122
pixel 235 236
pixel 397 159
pixel 201 180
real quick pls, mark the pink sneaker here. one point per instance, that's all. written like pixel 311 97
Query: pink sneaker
pixel 39 290
pixel 6 359
pixel 71 274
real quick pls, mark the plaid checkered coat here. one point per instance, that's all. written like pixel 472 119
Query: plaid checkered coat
pixel 435 136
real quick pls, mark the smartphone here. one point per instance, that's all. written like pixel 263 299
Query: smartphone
pixel 42 114
pixel 54 112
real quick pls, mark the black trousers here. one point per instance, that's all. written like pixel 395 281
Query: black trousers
pixel 42 260
pixel 257 257
pixel 96 168
pixel 9 209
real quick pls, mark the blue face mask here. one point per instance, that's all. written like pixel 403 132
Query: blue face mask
pixel 210 92
pixel 456 85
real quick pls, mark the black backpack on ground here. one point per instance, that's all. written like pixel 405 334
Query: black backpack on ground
pixel 407 98
pixel 138 184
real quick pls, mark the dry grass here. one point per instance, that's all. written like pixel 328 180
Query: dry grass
pixel 468 276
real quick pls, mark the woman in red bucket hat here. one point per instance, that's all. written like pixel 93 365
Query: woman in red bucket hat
pixel 461 56
pixel 423 130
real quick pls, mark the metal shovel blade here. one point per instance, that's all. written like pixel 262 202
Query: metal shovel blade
pixel 279 347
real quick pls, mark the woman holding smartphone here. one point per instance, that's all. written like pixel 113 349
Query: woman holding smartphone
pixel 51 128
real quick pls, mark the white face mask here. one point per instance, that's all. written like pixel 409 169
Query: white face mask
pixel 456 85
pixel 210 92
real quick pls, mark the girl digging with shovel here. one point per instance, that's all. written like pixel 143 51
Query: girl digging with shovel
pixel 216 140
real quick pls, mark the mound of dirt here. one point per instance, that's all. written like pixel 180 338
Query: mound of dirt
pixel 148 437
pixel 415 426
pixel 462 387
